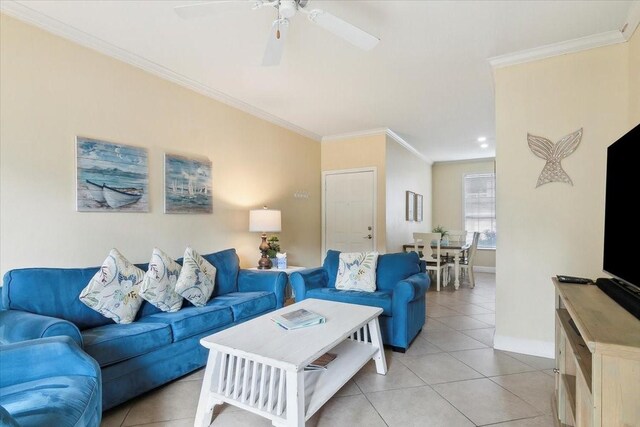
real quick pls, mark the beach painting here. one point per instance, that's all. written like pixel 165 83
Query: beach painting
pixel 111 177
pixel 187 185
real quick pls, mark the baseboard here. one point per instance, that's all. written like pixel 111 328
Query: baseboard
pixel 481 269
pixel 525 346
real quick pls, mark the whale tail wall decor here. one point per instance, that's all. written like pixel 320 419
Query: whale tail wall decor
pixel 553 154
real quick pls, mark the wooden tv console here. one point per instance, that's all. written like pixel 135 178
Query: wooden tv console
pixel 597 360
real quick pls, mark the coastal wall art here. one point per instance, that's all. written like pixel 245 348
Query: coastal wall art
pixel 419 214
pixel 410 205
pixel 111 177
pixel 553 155
pixel 187 184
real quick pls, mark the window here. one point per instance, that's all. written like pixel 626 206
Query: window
pixel 480 207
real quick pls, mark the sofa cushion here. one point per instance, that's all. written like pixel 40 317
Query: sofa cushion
pixel 330 264
pixel 227 264
pixel 159 283
pixel 113 290
pixel 114 343
pixel 51 292
pixel 379 298
pixel 190 320
pixel 357 271
pixel 53 401
pixel 246 304
pixel 197 278
pixel 393 268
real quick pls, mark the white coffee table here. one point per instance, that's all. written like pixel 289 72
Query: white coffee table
pixel 259 367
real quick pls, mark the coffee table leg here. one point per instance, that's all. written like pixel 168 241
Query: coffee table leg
pixel 295 399
pixel 207 402
pixel 376 341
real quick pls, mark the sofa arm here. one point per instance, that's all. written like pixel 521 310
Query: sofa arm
pixel 16 325
pixel 270 281
pixel 312 278
pixel 42 358
pixel 411 288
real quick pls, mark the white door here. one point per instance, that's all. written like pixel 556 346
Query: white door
pixel 349 211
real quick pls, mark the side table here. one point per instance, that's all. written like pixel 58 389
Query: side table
pixel 288 293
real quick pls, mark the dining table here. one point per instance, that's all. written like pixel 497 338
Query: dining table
pixel 448 248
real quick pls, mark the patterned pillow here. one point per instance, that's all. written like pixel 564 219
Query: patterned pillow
pixel 357 271
pixel 159 283
pixel 113 291
pixel 197 278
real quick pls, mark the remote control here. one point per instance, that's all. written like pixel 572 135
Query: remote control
pixel 573 279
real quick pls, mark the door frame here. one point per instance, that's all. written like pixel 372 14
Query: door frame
pixel 323 203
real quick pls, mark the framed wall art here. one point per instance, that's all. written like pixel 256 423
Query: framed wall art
pixel 187 184
pixel 418 208
pixel 111 177
pixel 410 206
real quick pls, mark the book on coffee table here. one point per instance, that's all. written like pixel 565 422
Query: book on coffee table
pixel 296 319
pixel 321 362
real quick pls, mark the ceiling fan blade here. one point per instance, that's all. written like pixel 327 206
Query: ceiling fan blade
pixel 197 10
pixel 275 45
pixel 337 26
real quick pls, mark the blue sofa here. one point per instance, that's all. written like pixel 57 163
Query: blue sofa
pixel 158 347
pixel 401 287
pixel 61 390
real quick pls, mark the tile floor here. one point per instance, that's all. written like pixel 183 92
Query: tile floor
pixel 449 377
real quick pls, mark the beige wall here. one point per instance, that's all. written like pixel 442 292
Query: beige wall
pixel 53 90
pixel 405 172
pixel 556 228
pixel 361 152
pixel 634 79
pixel 448 208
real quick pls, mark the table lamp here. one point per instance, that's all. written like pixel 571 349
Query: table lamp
pixel 263 221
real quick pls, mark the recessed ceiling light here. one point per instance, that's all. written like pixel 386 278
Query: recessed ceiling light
pixel 485 145
pixel 482 139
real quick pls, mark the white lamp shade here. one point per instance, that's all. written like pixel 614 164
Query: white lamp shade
pixel 265 220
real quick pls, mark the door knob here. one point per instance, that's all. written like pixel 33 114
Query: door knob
pixel 368 236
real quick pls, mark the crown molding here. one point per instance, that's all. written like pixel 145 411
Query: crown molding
pixel 356 134
pixel 378 131
pixel 633 19
pixel 555 49
pixel 474 160
pixel 40 20
pixel 397 138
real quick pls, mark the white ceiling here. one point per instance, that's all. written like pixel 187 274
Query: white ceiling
pixel 429 79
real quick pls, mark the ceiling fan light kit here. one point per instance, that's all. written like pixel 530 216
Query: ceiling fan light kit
pixel 286 9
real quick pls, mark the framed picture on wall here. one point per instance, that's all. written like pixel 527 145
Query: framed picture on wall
pixel 111 177
pixel 410 205
pixel 418 208
pixel 187 185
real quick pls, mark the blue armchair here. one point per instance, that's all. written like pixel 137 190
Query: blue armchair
pixel 64 391
pixel 401 287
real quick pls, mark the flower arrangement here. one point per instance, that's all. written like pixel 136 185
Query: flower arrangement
pixel 274 246
pixel 440 229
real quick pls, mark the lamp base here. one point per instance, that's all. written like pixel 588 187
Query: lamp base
pixel 264 263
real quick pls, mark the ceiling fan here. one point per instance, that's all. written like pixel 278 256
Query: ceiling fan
pixel 286 9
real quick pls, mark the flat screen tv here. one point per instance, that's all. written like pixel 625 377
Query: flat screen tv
pixel 622 217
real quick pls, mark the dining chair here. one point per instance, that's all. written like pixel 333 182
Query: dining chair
pixel 456 236
pixel 466 265
pixel 431 256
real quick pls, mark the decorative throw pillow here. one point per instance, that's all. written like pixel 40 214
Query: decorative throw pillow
pixel 197 278
pixel 159 283
pixel 113 291
pixel 357 271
